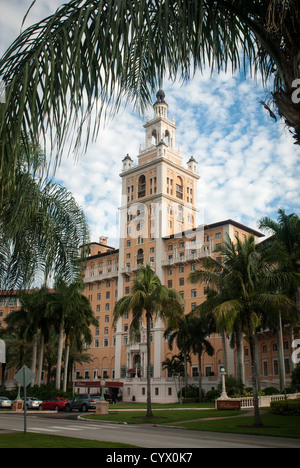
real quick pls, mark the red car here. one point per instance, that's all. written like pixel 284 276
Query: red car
pixel 56 403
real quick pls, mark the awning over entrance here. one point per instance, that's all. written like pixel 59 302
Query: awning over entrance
pixel 97 383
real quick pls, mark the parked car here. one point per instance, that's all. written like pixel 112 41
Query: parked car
pixel 32 403
pixel 5 402
pixel 56 403
pixel 83 402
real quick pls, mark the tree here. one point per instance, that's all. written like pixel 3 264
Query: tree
pixel 70 312
pixel 33 314
pixel 200 329
pixel 41 225
pixel 286 232
pixel 77 326
pixel 252 286
pixel 149 299
pixel 180 333
pixel 128 47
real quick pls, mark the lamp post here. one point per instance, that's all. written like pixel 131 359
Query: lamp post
pixel 224 395
pixel 102 383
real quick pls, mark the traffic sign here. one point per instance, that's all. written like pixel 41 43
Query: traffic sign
pixel 24 376
pixel 2 352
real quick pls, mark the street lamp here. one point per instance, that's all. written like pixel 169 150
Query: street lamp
pixel 224 395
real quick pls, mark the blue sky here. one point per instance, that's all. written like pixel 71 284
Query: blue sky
pixel 248 164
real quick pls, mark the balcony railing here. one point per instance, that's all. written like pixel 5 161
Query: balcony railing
pixel 198 255
pixel 91 276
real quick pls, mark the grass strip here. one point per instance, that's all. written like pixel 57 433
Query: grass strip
pixel 30 440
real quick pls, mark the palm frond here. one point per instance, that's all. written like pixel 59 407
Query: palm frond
pixel 69 72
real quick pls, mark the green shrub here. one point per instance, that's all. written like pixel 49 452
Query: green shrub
pixel 271 391
pixel 212 395
pixel 286 407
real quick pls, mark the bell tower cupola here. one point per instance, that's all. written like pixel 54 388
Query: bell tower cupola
pixel 160 129
pixel 160 106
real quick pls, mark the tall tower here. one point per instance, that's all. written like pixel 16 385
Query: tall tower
pixel 159 199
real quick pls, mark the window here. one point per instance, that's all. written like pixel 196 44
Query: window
pixel 170 284
pixel 265 369
pixel 194 293
pixel 142 186
pixel 140 256
pixel 105 342
pixel 275 367
pixel 180 213
pixel 181 281
pixel 179 188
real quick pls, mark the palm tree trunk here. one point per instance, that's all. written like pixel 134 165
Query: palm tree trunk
pixel 200 375
pixel 281 355
pixel 34 355
pixel 67 353
pixel 257 362
pixel 59 356
pixel 240 357
pixel 149 409
pixel 41 358
pixel 257 418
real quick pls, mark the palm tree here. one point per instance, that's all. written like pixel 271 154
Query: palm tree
pixel 77 326
pixel 286 232
pixel 70 311
pixel 128 48
pixel 149 299
pixel 253 286
pixel 41 226
pixel 200 329
pixel 180 333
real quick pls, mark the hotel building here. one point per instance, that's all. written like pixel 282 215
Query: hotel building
pixel 158 219
pixel 159 227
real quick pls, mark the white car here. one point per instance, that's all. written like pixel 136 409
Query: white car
pixel 5 402
pixel 32 403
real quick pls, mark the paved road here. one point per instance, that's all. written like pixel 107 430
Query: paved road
pixel 139 435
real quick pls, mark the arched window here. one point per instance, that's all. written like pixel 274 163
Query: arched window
pixel 142 186
pixel 154 138
pixel 167 138
pixel 140 256
pixel 179 188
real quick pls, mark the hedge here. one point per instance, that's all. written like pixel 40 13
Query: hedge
pixel 286 407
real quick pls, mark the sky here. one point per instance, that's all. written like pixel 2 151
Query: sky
pixel 248 164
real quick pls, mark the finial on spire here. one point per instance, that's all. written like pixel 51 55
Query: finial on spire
pixel 160 96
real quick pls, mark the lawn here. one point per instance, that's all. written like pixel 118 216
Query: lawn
pixel 29 440
pixel 274 426
pixel 167 416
